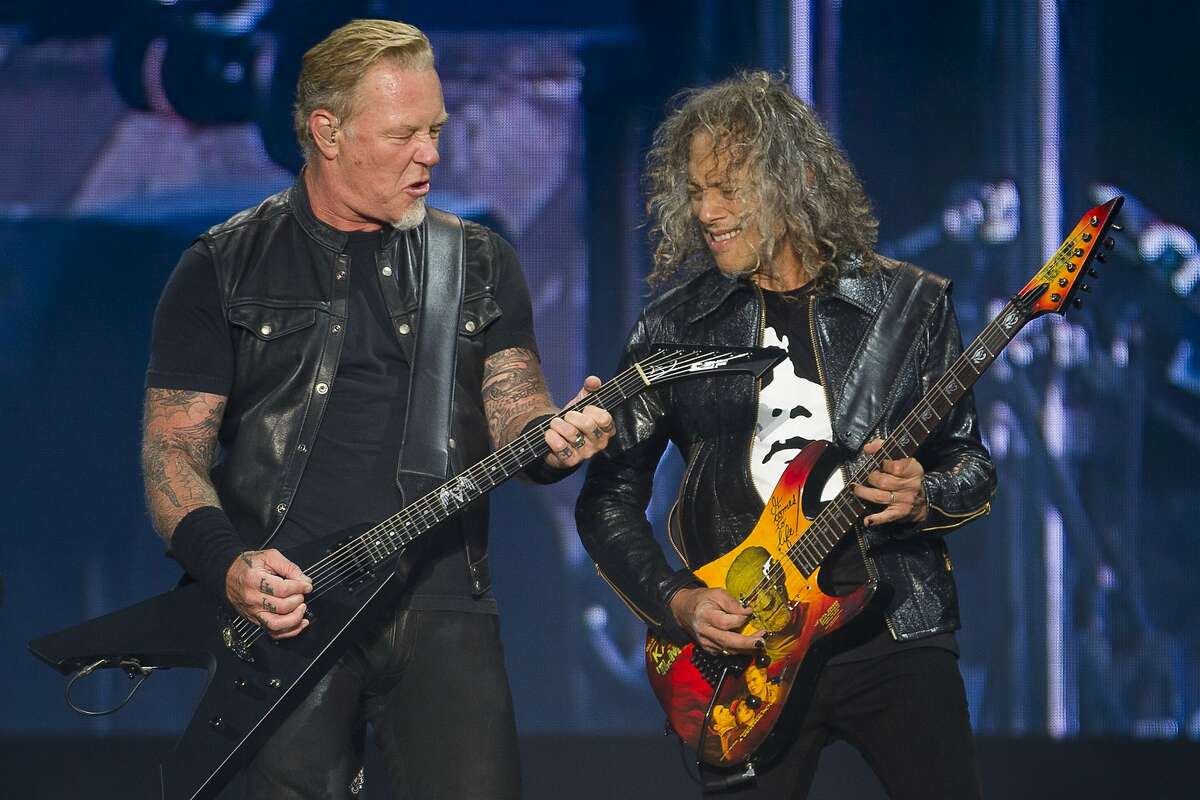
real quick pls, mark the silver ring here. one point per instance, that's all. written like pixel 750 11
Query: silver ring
pixel 580 440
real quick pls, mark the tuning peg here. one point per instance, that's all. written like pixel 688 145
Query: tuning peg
pixel 1093 273
pixel 1083 287
pixel 1077 302
pixel 1117 227
pixel 1101 257
pixel 1109 243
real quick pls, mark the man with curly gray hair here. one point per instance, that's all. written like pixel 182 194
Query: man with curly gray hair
pixel 768 236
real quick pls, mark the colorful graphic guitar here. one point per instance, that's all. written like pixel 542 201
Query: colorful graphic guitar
pixel 726 708
pixel 255 682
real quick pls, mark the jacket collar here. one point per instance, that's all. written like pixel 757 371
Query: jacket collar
pixel 326 235
pixel 862 289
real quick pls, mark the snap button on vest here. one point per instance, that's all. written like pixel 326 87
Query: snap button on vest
pixel 322 388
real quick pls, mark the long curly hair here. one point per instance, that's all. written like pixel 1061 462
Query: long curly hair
pixel 799 186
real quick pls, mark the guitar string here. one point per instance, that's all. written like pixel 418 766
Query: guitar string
pixel 624 384
pixel 810 546
pixel 346 557
pixel 344 561
pixel 532 443
pixel 824 535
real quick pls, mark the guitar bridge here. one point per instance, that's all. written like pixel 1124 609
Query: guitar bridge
pixel 235 641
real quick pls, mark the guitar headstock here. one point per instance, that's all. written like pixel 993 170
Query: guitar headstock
pixel 683 361
pixel 1063 277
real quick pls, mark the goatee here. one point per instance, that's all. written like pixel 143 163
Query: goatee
pixel 411 218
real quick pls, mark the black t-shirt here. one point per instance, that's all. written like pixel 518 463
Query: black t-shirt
pixel 793 411
pixel 349 479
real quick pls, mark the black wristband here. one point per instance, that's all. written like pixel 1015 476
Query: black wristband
pixel 540 471
pixel 205 544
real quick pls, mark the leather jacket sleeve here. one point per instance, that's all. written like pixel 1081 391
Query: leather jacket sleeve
pixel 959 475
pixel 611 510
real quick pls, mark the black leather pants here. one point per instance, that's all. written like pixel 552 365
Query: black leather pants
pixel 432 687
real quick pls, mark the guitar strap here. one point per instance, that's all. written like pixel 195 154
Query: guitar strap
pixel 425 448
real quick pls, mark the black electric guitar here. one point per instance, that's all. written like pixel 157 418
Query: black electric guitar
pixel 254 681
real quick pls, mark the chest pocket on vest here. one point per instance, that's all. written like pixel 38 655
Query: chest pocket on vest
pixel 478 314
pixel 269 321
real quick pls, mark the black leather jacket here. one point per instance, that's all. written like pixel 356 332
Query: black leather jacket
pixel 284 281
pixel 882 337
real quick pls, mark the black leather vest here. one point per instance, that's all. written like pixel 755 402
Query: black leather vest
pixel 284 282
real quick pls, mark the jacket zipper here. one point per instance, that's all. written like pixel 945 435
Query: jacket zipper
pixel 962 519
pixel 816 345
pixel 762 331
pixel 638 612
pixel 679 548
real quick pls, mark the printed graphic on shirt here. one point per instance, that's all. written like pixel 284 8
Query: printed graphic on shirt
pixel 791 413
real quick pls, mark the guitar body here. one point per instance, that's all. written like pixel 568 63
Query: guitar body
pixel 795 614
pixel 248 694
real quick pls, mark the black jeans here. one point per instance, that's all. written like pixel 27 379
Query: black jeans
pixel 433 688
pixel 906 712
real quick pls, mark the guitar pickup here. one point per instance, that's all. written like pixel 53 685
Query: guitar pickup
pixel 712 667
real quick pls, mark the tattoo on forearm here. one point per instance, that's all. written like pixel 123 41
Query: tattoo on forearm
pixel 179 443
pixel 514 390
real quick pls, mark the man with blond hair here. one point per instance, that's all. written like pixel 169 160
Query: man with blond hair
pixel 297 386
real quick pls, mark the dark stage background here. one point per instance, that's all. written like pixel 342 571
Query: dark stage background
pixel 982 130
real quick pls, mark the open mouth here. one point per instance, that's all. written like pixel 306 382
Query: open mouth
pixel 418 189
pixel 716 240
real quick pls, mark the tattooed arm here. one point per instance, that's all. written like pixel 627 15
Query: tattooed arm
pixel 179 441
pixel 515 393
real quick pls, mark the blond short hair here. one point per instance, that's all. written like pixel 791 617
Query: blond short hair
pixel 332 68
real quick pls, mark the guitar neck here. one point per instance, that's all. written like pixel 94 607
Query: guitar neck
pixel 383 541
pixel 843 513
pixel 389 537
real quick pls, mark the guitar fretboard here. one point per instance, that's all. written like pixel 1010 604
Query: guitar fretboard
pixel 846 510
pixel 386 539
